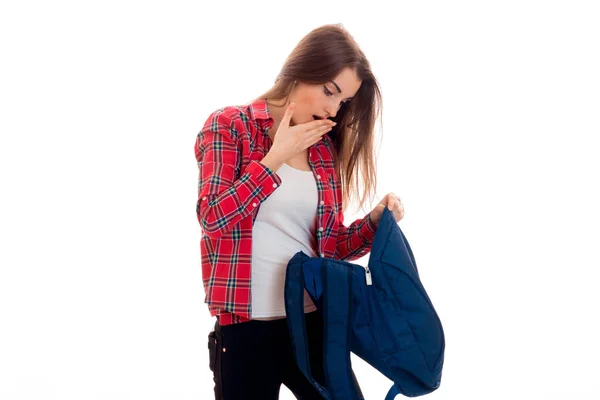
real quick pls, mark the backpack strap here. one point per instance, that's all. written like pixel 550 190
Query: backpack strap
pixel 337 316
pixel 294 310
pixel 337 319
pixel 391 395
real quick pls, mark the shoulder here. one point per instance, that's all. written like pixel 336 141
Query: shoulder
pixel 230 120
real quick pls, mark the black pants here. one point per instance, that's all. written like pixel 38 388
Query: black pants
pixel 251 360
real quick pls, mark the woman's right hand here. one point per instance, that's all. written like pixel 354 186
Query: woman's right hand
pixel 291 140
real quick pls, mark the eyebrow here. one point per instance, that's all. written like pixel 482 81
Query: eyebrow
pixel 340 90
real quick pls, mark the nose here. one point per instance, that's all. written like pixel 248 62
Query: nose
pixel 332 108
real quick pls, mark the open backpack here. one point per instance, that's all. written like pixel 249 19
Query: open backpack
pixel 381 313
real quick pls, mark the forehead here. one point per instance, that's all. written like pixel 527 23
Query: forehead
pixel 348 82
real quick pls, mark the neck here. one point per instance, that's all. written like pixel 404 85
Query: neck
pixel 277 113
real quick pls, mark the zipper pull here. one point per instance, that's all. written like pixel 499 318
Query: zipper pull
pixel 368 276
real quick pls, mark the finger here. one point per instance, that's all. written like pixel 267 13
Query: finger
pixel 316 134
pixel 319 129
pixel 395 203
pixel 288 115
pixel 317 124
pixel 397 200
pixel 316 139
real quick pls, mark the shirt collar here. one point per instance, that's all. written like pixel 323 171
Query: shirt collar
pixel 259 111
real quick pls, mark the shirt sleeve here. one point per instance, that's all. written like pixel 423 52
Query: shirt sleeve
pixel 226 195
pixel 356 240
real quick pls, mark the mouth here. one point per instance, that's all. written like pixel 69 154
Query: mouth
pixel 316 117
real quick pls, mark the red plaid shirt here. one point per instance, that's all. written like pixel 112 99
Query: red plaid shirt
pixel 233 183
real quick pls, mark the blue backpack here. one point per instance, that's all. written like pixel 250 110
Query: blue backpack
pixel 381 313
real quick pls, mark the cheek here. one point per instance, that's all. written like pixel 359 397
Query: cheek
pixel 307 105
pixel 309 99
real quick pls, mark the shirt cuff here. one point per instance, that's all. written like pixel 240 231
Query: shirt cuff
pixel 369 229
pixel 263 178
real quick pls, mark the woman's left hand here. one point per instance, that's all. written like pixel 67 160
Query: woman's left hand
pixel 393 203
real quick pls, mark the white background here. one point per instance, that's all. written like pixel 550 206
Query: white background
pixel 491 115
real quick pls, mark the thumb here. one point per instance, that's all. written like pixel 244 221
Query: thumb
pixel 288 114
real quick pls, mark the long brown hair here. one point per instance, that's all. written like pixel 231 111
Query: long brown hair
pixel 318 58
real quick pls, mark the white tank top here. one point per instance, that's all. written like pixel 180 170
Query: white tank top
pixel 284 225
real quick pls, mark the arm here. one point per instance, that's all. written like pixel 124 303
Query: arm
pixel 356 240
pixel 224 198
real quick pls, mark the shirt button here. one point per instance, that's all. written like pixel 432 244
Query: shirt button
pixel 274 185
pixel 318 176
pixel 253 204
pixel 320 229
pixel 322 255
pixel 322 202
pixel 204 198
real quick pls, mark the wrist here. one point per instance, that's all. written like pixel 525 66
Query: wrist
pixel 272 161
pixel 372 221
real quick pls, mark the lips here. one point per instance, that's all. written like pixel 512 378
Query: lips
pixel 317 117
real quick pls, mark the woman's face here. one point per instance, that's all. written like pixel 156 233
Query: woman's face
pixel 323 101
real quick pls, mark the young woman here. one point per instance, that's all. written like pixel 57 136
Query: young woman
pixel 275 177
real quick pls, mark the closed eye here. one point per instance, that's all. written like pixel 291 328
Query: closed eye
pixel 328 93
